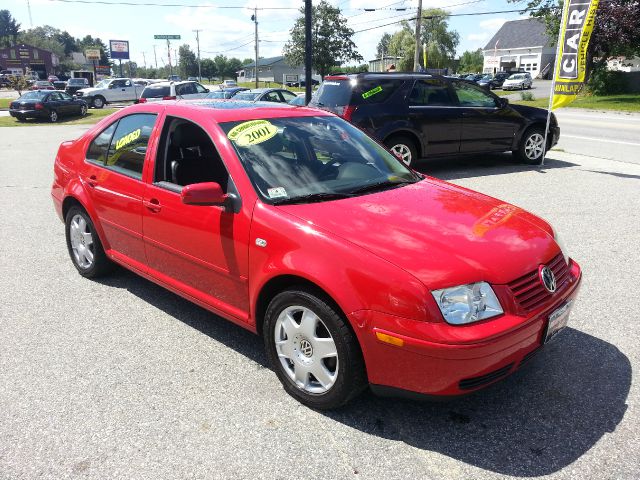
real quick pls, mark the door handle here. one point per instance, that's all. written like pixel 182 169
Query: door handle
pixel 153 205
pixel 92 181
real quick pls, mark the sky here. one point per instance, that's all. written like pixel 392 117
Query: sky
pixel 229 31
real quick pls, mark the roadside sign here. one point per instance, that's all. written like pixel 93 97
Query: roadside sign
pixel 166 37
pixel 92 53
pixel 119 49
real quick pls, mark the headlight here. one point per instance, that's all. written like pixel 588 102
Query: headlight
pixel 467 303
pixel 563 248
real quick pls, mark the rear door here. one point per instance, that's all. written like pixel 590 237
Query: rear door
pixel 487 126
pixel 434 113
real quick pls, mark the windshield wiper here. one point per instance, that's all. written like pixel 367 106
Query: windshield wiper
pixel 381 186
pixel 311 198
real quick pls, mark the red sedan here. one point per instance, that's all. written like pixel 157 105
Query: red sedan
pixel 296 225
pixel 42 85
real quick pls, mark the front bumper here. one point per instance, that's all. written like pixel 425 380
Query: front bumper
pixel 431 362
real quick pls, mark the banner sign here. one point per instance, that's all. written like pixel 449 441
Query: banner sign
pixel 92 54
pixel 119 49
pixel 578 18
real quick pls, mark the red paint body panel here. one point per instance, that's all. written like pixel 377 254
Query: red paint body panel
pixel 378 256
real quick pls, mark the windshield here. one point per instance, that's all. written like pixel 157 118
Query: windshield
pixel 218 95
pixel 156 91
pixel 516 77
pixel 304 159
pixel 245 96
pixel 33 95
pixel 102 84
pixel 76 81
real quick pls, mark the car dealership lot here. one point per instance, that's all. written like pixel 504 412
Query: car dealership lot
pixel 122 379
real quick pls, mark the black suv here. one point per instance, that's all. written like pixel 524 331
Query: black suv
pixel 418 115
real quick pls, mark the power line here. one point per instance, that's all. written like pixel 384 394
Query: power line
pixel 230 49
pixel 152 4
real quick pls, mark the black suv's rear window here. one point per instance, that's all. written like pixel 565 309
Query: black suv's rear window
pixel 339 93
pixel 156 91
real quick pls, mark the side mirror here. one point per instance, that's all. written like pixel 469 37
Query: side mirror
pixel 206 90
pixel 503 102
pixel 207 193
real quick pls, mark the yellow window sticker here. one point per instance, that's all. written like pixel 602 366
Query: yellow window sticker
pixel 372 92
pixel 252 133
pixel 128 138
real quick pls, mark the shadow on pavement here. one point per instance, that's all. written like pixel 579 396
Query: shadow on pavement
pixel 483 165
pixel 539 420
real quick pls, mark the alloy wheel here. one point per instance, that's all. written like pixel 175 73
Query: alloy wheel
pixel 81 241
pixel 53 116
pixel 533 146
pixel 403 152
pixel 306 350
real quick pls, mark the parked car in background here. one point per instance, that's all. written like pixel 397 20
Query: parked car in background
pixel 75 84
pixel 356 271
pixel 518 81
pixel 174 78
pixel 299 101
pixel 192 79
pixel 52 78
pixel 172 91
pixel 45 104
pixel 279 95
pixel 42 85
pixel 60 85
pixel 110 91
pixel 474 77
pixel 226 93
pixel 229 83
pixel 421 115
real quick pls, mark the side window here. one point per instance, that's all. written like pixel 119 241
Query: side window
pixel 200 88
pixel 375 90
pixel 65 96
pixel 54 97
pixel 97 152
pixel 127 83
pixel 472 96
pixel 287 96
pixel 431 92
pixel 272 97
pixel 129 144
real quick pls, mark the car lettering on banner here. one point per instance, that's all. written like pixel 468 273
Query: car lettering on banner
pixel 186 194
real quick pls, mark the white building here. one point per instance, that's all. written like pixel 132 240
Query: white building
pixel 624 64
pixel 520 45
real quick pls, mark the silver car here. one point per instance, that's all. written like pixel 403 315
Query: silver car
pixel 518 81
pixel 172 91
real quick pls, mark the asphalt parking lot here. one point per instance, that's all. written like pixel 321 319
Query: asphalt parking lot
pixel 119 378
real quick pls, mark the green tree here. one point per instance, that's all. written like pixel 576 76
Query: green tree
pixel 383 45
pixel 188 63
pixel 331 39
pixel 360 68
pixel 208 68
pixel 90 42
pixel 233 65
pixel 9 29
pixel 220 62
pixel 403 44
pixel 247 61
pixel 471 61
pixel 18 83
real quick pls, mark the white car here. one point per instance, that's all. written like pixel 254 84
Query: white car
pixel 110 91
pixel 229 83
pixel 172 90
pixel 518 81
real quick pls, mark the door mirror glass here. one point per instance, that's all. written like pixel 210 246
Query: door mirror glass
pixel 207 193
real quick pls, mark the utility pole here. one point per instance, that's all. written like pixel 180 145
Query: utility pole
pixel 307 51
pixel 155 57
pixel 198 43
pixel 144 60
pixel 416 56
pixel 254 17
pixel 169 57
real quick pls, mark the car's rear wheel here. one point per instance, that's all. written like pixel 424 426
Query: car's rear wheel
pixel 404 148
pixel 531 146
pixel 98 102
pixel 53 116
pixel 83 243
pixel 313 351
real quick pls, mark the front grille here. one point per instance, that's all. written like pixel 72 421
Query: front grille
pixel 529 291
pixel 475 382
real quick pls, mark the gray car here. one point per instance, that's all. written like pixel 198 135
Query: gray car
pixel 279 95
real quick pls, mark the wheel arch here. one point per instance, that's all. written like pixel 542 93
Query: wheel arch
pixel 73 199
pixel 410 134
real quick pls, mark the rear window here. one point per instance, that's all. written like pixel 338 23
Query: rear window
pixel 246 96
pixel 338 93
pixel 156 91
pixel 33 96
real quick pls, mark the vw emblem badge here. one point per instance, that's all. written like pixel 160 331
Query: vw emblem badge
pixel 547 278
pixel 306 348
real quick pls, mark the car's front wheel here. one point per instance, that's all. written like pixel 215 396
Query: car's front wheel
pixel 83 243
pixel 404 148
pixel 531 146
pixel 313 351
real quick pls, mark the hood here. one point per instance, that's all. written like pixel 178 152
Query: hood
pixel 88 90
pixel 442 234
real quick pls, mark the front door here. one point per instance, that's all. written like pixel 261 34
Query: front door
pixel 200 250
pixel 433 113
pixel 487 126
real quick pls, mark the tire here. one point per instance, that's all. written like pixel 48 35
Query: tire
pixel 298 326
pixel 84 246
pixel 530 148
pixel 53 116
pixel 98 102
pixel 83 110
pixel 404 148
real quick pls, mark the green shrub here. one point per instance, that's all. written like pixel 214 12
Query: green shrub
pixel 527 96
pixel 607 82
